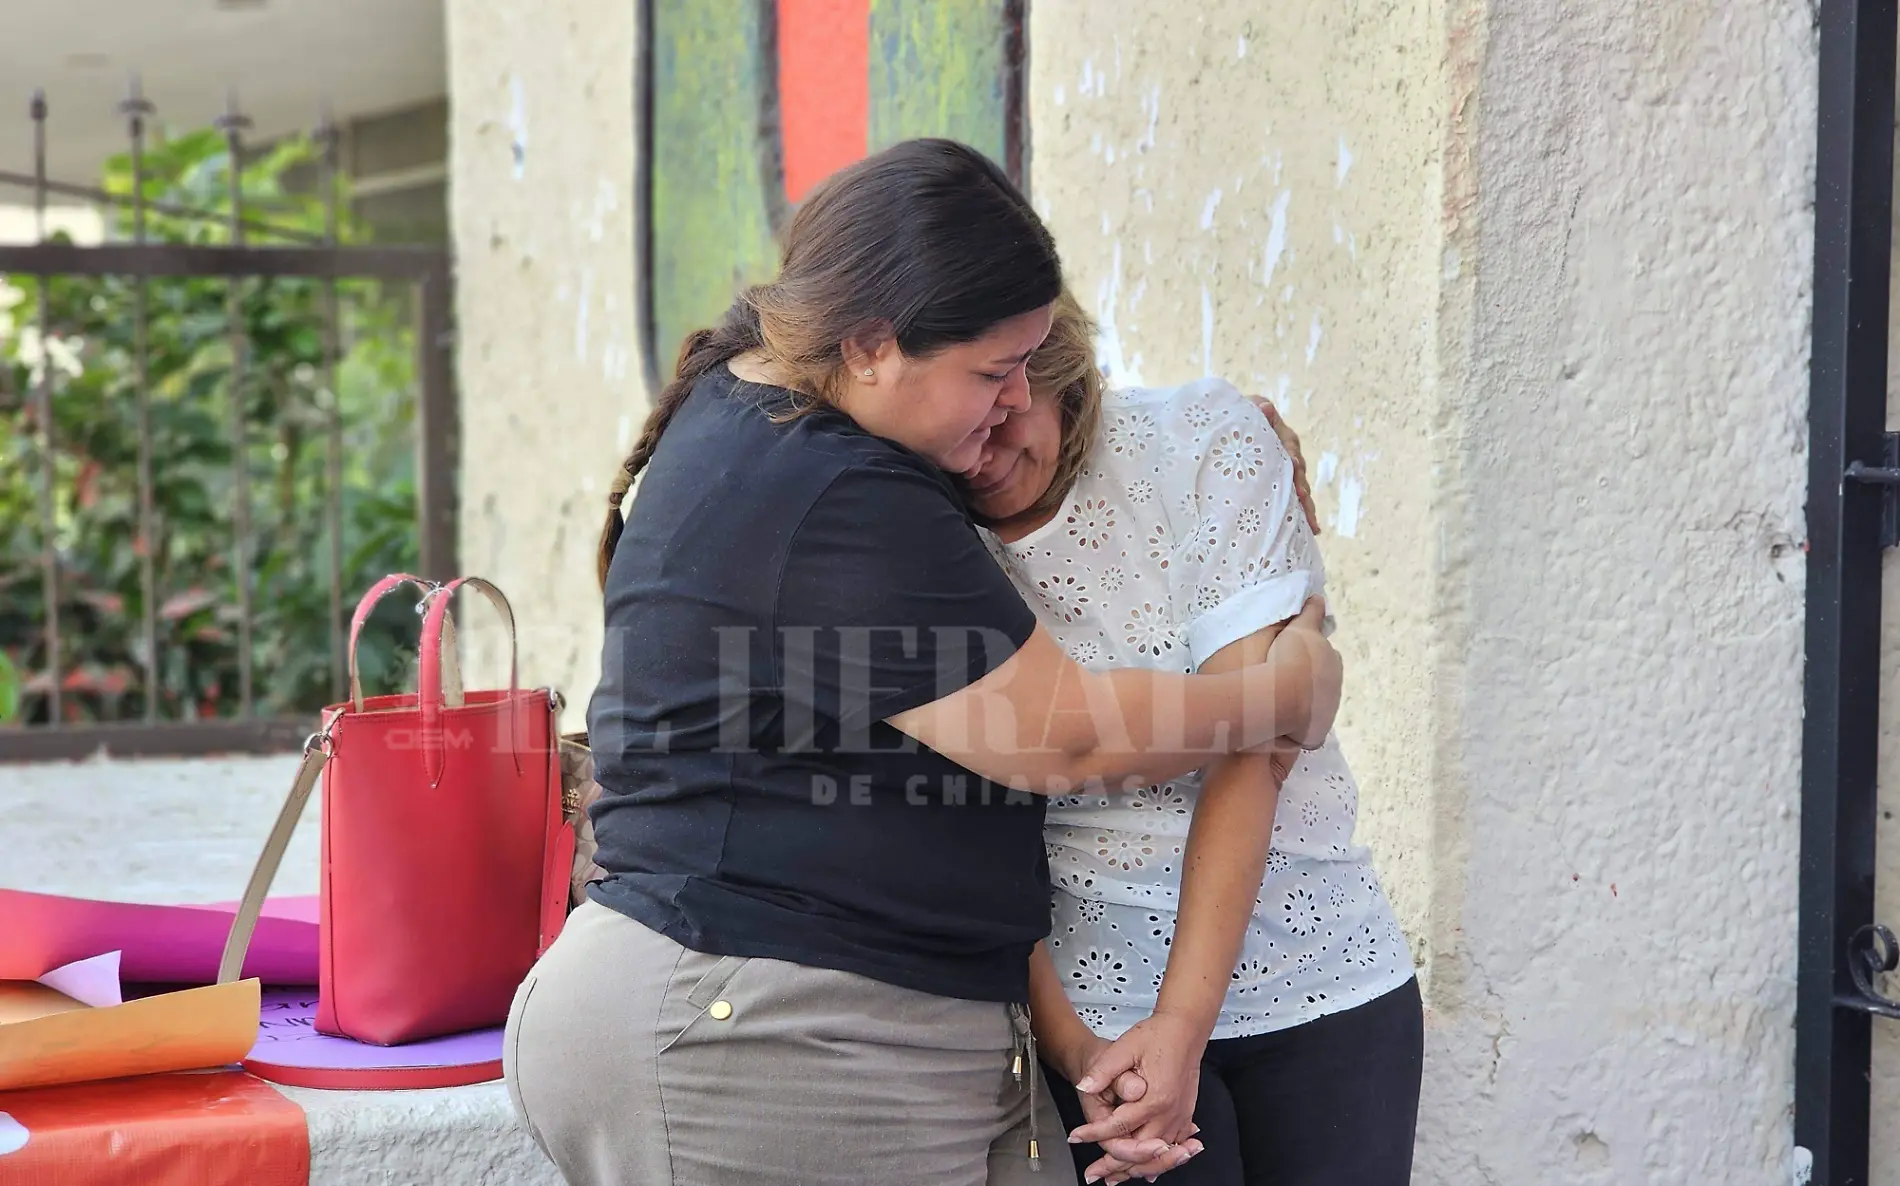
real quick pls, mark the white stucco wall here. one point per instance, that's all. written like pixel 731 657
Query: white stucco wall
pixel 1632 512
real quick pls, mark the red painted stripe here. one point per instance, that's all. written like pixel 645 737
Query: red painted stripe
pixel 824 87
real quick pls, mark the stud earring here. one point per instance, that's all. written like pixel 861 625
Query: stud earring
pixel 869 373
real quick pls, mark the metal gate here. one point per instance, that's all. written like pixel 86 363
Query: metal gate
pixel 239 261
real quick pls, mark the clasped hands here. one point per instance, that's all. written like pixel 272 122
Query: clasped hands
pixel 1138 1094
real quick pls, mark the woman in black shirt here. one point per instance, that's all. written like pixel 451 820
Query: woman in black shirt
pixel 825 724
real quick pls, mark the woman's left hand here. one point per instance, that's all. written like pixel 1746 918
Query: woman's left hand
pixel 1165 1051
pixel 1290 441
pixel 1124 1158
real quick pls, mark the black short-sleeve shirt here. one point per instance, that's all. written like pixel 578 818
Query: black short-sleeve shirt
pixel 782 586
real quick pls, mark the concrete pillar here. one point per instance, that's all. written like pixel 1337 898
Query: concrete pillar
pixel 542 205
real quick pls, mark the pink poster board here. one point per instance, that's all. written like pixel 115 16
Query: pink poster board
pixel 159 944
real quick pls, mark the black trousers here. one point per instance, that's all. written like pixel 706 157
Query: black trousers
pixel 1332 1102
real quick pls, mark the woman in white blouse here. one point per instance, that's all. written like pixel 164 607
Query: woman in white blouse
pixel 1236 954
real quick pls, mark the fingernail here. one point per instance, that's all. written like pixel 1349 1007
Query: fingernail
pixel 1087 1086
pixel 1092 1179
pixel 1075 1140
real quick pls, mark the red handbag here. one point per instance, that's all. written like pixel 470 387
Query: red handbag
pixel 446 852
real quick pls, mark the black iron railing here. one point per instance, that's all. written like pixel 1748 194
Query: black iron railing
pixel 1851 519
pixel 239 262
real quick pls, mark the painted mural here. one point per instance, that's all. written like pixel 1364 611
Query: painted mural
pixel 753 102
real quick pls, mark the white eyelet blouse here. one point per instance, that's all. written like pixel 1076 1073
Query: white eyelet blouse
pixel 1184 535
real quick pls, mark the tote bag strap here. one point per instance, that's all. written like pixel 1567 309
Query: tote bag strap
pixel 433 682
pixel 446 652
pixel 316 752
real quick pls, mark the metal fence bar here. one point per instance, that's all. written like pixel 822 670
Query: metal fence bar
pixel 43 409
pixel 232 124
pixel 437 425
pixel 1853 239
pixel 135 109
pixel 192 259
pixel 333 411
pixel 97 196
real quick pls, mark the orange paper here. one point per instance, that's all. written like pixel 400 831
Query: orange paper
pixel 223 1128
pixel 52 1044
pixel 27 1000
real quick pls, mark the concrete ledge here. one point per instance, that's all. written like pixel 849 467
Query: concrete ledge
pixel 462 1136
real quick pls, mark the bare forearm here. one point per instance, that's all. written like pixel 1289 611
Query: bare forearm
pixel 1153 726
pixel 1220 880
pixel 1041 723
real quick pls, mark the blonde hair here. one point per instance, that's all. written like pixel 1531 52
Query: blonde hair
pixel 1063 367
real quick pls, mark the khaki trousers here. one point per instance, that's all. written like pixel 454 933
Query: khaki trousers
pixel 637 1062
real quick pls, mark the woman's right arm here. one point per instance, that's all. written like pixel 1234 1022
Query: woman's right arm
pixel 1044 723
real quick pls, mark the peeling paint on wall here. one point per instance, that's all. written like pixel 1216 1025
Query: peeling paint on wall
pixel 1120 370
pixel 518 126
pixel 1276 238
pixel 1151 108
pixel 580 314
pixel 1207 333
pixel 1351 492
pixel 1207 210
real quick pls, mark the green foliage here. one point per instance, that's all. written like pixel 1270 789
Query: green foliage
pixel 90 354
pixel 9 689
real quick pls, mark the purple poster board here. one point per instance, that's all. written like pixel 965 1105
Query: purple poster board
pixel 290 1050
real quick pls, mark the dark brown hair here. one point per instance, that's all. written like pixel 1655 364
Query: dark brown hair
pixel 927 237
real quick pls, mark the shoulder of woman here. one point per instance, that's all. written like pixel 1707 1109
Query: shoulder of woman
pixel 1186 421
pixel 878 486
pixel 1211 395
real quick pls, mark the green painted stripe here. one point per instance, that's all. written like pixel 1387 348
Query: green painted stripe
pixel 712 233
pixel 937 69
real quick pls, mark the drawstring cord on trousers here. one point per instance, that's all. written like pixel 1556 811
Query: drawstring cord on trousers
pixel 1023 1052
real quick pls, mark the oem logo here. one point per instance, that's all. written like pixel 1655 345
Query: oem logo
pixel 415 739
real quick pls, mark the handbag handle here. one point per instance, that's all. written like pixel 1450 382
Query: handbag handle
pixel 436 627
pixel 316 752
pixel 446 648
